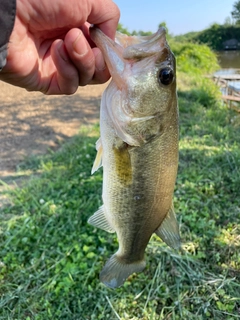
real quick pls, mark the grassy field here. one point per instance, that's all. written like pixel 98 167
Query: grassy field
pixel 50 257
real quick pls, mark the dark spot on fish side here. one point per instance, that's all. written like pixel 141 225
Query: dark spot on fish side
pixel 123 164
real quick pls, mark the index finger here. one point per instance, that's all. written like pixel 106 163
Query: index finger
pixel 105 14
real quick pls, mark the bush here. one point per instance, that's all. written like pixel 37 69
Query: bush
pixel 195 59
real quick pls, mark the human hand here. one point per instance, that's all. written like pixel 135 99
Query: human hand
pixel 50 49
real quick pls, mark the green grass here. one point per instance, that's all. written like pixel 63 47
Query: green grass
pixel 50 257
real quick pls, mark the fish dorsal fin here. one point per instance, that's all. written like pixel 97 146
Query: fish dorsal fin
pixel 98 160
pixel 169 230
pixel 99 220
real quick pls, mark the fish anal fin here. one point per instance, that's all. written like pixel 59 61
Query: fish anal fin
pixel 169 230
pixel 115 271
pixel 99 220
pixel 98 160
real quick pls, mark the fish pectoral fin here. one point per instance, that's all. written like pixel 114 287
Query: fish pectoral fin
pixel 99 220
pixel 115 271
pixel 169 230
pixel 98 160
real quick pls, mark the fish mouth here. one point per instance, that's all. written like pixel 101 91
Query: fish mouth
pixel 127 49
pixel 145 46
pixel 130 47
pixel 112 53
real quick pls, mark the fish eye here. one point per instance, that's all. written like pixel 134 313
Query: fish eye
pixel 165 76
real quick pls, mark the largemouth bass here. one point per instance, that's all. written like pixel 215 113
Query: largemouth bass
pixel 138 149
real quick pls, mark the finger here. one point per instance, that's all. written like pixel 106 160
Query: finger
pixel 81 55
pixel 65 79
pixel 106 15
pixel 101 73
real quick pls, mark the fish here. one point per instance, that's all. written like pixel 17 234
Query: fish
pixel 138 149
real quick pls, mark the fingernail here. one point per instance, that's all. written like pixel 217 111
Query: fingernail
pixel 62 51
pixel 100 64
pixel 80 45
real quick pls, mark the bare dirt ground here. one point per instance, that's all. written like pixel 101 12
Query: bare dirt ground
pixel 31 122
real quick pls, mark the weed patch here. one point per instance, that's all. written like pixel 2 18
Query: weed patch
pixel 50 257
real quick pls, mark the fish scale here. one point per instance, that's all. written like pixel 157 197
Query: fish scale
pixel 138 149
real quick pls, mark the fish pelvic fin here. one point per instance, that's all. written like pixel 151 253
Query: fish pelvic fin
pixel 100 221
pixel 169 230
pixel 98 160
pixel 116 271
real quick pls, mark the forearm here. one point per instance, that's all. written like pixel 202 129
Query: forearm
pixel 7 18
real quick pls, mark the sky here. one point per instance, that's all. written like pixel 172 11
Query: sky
pixel 181 16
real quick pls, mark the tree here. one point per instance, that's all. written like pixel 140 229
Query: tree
pixel 142 33
pixel 228 22
pixel 122 29
pixel 163 24
pixel 236 12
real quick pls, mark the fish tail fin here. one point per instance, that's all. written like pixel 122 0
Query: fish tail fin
pixel 115 271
